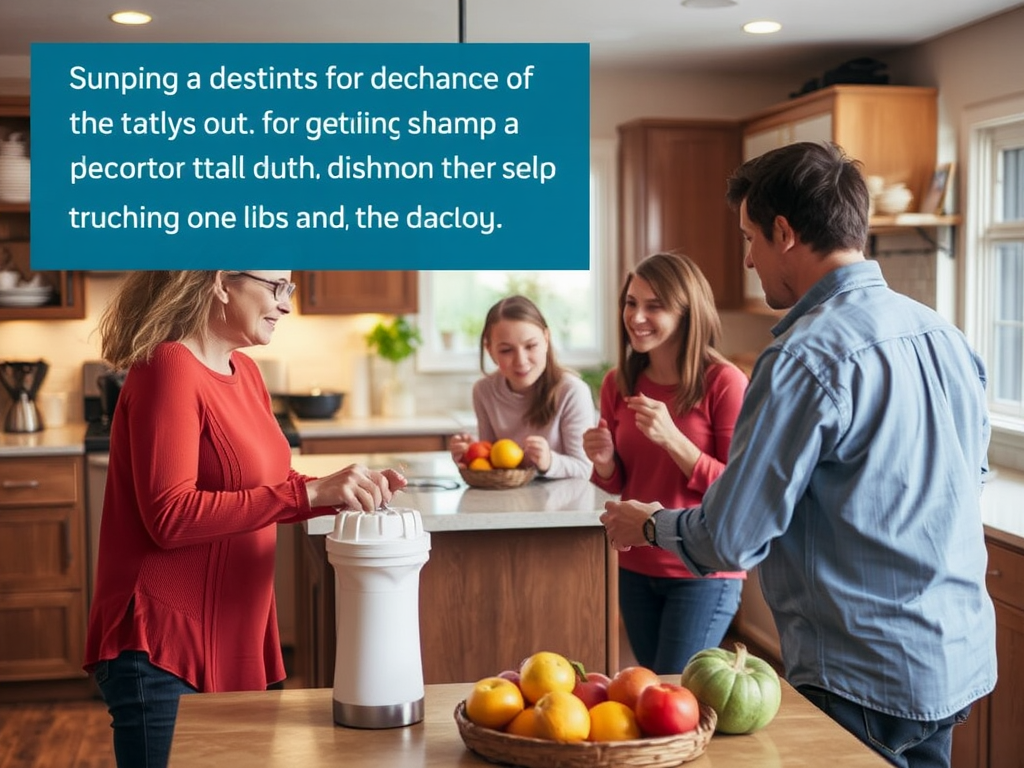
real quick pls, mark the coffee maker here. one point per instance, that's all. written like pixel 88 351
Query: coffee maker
pixel 22 381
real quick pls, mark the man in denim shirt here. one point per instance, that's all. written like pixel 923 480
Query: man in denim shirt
pixel 854 475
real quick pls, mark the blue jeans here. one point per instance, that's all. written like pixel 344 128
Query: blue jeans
pixel 904 743
pixel 668 620
pixel 143 705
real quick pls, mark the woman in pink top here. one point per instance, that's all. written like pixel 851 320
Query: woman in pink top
pixel 530 398
pixel 667 417
pixel 200 475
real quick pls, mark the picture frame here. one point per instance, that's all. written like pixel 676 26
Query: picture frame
pixel 934 200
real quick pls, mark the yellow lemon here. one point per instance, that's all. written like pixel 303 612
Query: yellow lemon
pixel 545 671
pixel 561 716
pixel 506 454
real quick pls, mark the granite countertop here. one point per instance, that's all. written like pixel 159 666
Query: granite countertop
pixel 448 504
pixel 379 426
pixel 56 441
pixel 1002 505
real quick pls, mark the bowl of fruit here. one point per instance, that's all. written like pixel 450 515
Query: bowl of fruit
pixel 550 712
pixel 495 465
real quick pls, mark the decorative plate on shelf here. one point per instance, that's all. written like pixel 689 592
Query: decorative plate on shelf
pixel 655 752
pixel 25 297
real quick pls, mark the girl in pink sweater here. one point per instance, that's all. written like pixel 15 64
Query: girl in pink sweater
pixel 530 398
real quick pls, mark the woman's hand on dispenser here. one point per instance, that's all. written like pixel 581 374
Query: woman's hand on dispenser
pixel 355 487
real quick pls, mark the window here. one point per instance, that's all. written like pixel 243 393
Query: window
pixel 576 304
pixel 994 279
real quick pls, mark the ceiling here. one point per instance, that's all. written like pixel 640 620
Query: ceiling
pixel 650 34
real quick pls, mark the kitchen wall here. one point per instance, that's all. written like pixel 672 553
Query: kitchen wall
pixel 973 64
pixel 324 351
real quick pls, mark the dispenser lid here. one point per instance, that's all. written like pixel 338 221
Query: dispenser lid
pixel 391 524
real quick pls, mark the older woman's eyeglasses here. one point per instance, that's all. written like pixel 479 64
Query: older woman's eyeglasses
pixel 282 288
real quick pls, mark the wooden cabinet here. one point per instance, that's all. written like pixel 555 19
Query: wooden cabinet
pixel 992 736
pixel 42 568
pixel 68 298
pixel 672 176
pixel 350 293
pixel 891 130
pixel 488 599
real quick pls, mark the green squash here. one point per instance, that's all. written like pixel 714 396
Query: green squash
pixel 742 689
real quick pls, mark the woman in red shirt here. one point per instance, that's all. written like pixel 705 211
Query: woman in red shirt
pixel 200 475
pixel 667 417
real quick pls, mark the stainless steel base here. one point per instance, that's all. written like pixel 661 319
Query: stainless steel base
pixel 386 716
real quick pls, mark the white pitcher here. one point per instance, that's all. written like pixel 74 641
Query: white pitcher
pixel 15 174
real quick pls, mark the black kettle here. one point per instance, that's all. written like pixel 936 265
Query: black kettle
pixel 22 381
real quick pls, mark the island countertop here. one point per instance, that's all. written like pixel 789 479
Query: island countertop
pixel 296 727
pixel 446 503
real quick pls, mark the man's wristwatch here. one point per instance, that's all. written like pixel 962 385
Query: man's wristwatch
pixel 651 531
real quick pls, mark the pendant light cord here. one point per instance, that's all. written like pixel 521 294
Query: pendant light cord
pixel 462 21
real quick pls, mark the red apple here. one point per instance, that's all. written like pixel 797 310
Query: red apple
pixel 509 674
pixel 665 709
pixel 591 692
pixel 481 449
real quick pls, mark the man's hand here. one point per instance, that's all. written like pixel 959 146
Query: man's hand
pixel 624 522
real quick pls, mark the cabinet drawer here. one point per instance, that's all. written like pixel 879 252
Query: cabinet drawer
pixel 1005 578
pixel 40 481
pixel 42 635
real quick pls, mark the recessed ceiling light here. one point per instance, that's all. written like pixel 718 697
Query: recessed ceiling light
pixel 762 27
pixel 130 17
pixel 708 3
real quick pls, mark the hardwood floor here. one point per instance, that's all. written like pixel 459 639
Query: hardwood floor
pixel 67 734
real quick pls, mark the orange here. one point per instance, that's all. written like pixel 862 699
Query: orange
pixel 612 721
pixel 494 702
pixel 480 463
pixel 524 724
pixel 561 716
pixel 627 683
pixel 545 671
pixel 506 454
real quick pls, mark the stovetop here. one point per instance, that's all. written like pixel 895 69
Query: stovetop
pixel 97 434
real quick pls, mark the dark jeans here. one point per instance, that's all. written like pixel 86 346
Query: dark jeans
pixel 669 620
pixel 904 743
pixel 143 704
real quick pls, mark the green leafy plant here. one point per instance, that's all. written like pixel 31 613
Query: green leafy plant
pixel 394 341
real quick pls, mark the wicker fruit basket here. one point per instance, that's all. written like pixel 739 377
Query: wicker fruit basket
pixel 497 478
pixel 656 752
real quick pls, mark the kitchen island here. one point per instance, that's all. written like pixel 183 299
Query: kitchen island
pixel 296 727
pixel 510 572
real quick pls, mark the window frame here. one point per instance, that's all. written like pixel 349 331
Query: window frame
pixel 431 358
pixel 985 129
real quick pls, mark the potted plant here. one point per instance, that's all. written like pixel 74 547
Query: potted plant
pixel 395 341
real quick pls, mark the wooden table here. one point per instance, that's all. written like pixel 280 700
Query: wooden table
pixel 296 728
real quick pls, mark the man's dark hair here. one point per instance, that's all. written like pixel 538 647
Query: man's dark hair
pixel 819 190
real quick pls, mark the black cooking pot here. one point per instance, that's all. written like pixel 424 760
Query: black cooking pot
pixel 110 388
pixel 319 406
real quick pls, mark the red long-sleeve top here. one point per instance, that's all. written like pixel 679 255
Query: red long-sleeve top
pixel 200 474
pixel 646 472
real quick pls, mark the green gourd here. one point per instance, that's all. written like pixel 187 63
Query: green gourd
pixel 742 689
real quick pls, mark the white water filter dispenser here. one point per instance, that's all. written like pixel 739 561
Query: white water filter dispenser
pixel 378 671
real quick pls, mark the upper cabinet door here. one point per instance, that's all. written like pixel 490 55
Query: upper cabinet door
pixel 672 176
pixel 350 293
pixel 66 297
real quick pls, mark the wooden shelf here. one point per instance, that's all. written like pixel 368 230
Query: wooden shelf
pixel 912 220
pixel 13 207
